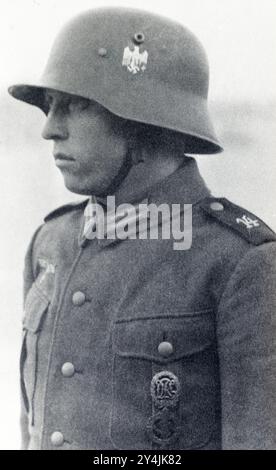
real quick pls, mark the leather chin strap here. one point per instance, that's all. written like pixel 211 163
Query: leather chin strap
pixel 121 175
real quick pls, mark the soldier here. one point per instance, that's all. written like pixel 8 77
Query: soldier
pixel 131 344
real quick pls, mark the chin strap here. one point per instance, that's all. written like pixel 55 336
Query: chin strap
pixel 121 175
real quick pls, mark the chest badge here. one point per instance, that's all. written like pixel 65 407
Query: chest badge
pixel 165 389
pixel 134 60
pixel 163 426
pixel 248 222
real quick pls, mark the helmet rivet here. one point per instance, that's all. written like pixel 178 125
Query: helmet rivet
pixel 139 38
pixel 102 52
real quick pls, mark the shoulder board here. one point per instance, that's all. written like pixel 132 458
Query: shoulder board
pixel 65 208
pixel 250 227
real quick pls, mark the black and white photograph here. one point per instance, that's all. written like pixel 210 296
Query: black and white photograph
pixel 138 225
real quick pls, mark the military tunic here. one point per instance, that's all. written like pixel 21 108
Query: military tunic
pixel 130 344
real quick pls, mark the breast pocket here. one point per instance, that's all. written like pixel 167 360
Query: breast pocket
pixel 165 382
pixel 36 306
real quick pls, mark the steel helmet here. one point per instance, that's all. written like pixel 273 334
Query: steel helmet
pixel 136 64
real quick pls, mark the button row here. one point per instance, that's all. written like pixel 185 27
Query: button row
pixel 67 369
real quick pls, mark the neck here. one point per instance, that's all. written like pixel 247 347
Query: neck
pixel 145 174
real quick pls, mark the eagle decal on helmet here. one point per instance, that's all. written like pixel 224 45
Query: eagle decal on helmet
pixel 134 60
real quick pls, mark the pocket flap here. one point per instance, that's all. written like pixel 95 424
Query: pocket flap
pixel 187 334
pixel 35 306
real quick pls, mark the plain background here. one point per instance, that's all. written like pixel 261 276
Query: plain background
pixel 240 39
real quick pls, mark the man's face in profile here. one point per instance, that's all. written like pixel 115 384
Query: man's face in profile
pixel 89 142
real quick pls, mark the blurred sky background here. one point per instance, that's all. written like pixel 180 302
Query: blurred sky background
pixel 240 39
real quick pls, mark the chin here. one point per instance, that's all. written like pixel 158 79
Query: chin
pixel 78 188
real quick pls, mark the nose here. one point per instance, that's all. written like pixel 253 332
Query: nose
pixel 55 126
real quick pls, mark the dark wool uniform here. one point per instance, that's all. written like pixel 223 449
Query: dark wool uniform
pixel 130 344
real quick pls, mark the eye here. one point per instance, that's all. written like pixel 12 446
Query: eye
pixel 78 104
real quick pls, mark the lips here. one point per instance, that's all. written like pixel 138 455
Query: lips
pixel 63 157
pixel 63 161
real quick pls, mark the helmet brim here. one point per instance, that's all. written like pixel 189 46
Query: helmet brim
pixel 187 114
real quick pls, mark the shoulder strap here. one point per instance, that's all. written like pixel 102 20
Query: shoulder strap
pixel 250 227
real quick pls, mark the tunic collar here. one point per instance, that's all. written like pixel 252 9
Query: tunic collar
pixel 184 186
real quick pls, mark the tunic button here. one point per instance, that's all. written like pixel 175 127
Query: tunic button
pixel 102 51
pixel 165 349
pixel 57 439
pixel 78 298
pixel 216 206
pixel 68 369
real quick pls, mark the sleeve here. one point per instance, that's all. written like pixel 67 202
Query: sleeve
pixel 246 335
pixel 28 279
